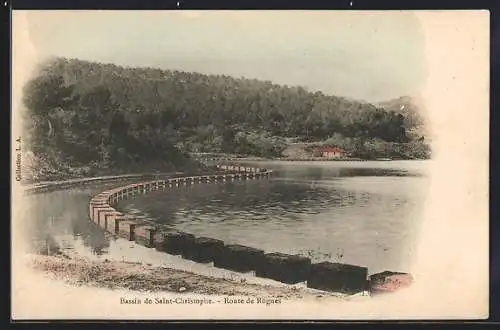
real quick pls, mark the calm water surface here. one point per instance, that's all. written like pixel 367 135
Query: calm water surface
pixel 365 213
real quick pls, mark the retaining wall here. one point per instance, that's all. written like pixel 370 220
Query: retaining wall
pixel 285 268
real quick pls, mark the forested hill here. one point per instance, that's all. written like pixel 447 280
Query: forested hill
pixel 412 110
pixel 85 112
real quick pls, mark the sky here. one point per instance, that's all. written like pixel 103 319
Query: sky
pixel 371 56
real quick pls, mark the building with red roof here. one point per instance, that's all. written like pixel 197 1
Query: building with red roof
pixel 331 152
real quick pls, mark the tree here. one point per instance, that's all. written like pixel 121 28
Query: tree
pixel 83 112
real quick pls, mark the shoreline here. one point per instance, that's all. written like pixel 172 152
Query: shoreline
pixel 141 277
pixel 116 178
pixel 318 159
pixel 80 263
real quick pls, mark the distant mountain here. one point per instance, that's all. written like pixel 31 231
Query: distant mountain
pixel 413 110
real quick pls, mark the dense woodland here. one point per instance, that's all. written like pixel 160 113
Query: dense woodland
pixel 86 115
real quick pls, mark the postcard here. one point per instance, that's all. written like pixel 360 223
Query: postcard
pixel 250 165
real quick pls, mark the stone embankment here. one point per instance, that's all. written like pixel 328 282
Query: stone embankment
pixel 290 269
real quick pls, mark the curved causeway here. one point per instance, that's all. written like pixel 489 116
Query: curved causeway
pixel 285 268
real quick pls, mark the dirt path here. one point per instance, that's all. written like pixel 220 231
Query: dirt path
pixel 79 271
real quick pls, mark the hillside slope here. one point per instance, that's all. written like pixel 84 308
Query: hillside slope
pixel 91 115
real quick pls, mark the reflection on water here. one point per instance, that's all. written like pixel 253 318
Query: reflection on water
pixel 57 219
pixel 362 212
pixel 362 215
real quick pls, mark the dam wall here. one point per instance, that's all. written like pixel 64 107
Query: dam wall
pixel 285 268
